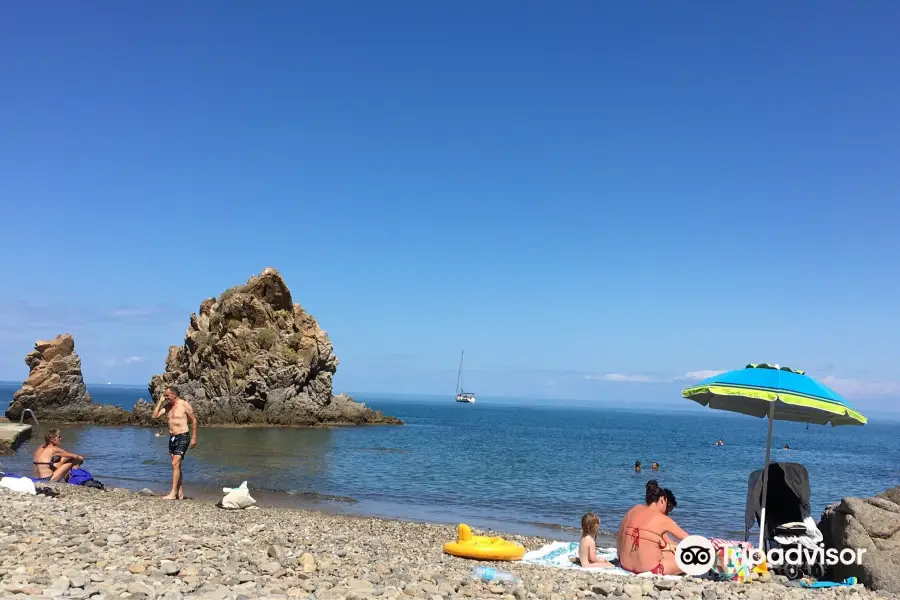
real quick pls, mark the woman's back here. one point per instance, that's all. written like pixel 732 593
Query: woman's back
pixel 43 457
pixel 639 542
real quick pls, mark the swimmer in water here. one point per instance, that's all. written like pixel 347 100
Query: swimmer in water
pixel 654 466
pixel 720 443
pixel 637 466
pixel 787 446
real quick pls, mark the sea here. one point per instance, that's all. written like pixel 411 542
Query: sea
pixel 508 466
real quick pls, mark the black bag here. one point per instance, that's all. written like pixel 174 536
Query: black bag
pixel 93 483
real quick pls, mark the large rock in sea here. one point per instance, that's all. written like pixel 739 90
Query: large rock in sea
pixel 872 524
pixel 54 379
pixel 55 389
pixel 252 356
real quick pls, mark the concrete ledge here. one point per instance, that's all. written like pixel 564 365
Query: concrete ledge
pixel 11 435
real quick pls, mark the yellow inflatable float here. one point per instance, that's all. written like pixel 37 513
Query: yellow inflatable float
pixel 483 547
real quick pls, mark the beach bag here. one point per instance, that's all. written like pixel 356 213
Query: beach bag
pixel 731 563
pixel 82 477
pixel 238 497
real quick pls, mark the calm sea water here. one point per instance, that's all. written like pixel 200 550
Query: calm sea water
pixel 513 467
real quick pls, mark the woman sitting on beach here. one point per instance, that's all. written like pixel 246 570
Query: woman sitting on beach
pixel 587 549
pixel 642 542
pixel 51 462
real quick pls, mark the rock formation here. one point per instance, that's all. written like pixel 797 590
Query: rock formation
pixel 55 390
pixel 54 379
pixel 252 356
pixel 872 524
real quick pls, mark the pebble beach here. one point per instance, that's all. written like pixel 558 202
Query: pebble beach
pixel 118 544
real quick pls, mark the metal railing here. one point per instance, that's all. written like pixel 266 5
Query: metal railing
pixel 33 417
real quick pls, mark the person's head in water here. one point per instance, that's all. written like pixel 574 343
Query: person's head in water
pixel 655 466
pixel 590 525
pixel 637 465
pixel 787 446
pixel 660 498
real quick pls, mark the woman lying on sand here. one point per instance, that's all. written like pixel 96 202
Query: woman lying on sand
pixel 641 542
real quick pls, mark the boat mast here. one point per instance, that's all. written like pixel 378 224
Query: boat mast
pixel 459 374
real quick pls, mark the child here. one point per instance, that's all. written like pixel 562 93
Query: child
pixel 587 548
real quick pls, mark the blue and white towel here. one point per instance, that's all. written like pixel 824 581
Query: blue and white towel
pixel 561 555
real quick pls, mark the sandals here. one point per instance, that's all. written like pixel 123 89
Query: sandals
pixel 45 491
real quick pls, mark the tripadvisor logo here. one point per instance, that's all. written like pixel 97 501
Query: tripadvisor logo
pixel 695 555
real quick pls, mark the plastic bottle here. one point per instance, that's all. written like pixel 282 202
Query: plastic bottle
pixel 488 574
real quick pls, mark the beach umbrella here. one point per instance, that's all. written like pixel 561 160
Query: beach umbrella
pixel 778 393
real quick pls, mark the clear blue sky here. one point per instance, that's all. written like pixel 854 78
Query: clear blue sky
pixel 594 199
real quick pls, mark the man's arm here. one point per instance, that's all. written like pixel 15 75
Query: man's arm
pixel 189 413
pixel 158 410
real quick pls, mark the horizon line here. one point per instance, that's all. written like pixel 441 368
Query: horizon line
pixel 887 415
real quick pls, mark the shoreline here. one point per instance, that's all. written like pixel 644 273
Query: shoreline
pixel 338 506
pixel 328 503
pixel 162 425
pixel 349 505
pixel 380 469
pixel 105 544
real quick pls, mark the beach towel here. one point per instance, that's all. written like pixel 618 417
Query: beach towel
pixel 850 581
pixel 19 484
pixel 76 477
pixel 82 477
pixel 810 540
pixel 560 555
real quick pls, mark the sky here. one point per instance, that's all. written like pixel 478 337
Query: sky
pixel 595 200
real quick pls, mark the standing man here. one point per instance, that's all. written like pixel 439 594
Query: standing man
pixel 179 412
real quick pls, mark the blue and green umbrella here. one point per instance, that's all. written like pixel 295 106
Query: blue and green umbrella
pixel 779 393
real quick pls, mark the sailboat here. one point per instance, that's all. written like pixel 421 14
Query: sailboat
pixel 462 396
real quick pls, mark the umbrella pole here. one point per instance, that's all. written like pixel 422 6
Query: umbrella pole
pixel 762 512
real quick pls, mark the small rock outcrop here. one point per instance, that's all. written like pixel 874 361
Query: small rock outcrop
pixel 54 379
pixel 252 356
pixel 872 524
pixel 56 392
